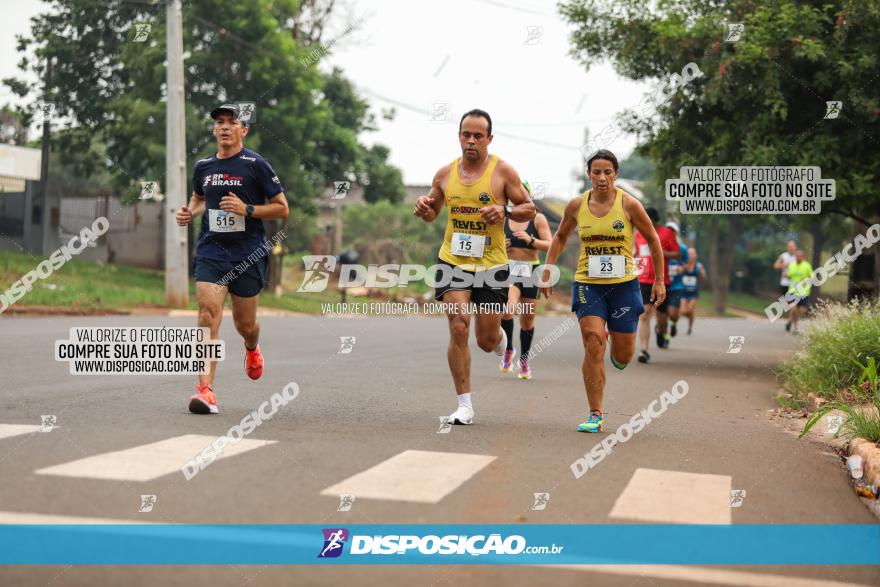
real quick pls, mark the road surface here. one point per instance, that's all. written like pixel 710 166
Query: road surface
pixel 363 410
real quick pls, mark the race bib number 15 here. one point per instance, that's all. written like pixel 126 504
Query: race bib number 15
pixel 468 245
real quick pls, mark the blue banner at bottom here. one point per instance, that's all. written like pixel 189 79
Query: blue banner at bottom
pixel 202 544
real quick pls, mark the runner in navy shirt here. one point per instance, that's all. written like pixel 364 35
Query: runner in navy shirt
pixel 253 181
pixel 236 189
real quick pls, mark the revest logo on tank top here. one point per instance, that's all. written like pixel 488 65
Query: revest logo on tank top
pixel 484 198
pixel 618 225
pixel 215 179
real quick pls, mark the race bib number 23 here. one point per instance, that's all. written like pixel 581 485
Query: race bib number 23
pixel 607 266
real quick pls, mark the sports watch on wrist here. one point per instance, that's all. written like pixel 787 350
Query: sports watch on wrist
pixel 250 209
pixel 508 210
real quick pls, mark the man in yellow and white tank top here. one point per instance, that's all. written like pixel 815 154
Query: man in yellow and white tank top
pixel 605 289
pixel 480 191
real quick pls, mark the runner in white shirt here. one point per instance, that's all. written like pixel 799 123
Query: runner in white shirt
pixel 781 265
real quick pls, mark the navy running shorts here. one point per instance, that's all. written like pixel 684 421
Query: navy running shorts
pixel 244 279
pixel 619 304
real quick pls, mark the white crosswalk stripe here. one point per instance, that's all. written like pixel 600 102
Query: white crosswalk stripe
pixel 148 461
pixel 35 518
pixel 413 475
pixel 10 430
pixel 705 575
pixel 675 497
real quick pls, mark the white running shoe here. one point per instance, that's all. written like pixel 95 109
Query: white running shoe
pixel 463 415
pixel 501 346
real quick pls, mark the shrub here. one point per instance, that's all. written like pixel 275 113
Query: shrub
pixel 861 421
pixel 840 340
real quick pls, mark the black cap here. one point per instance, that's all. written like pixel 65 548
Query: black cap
pixel 228 108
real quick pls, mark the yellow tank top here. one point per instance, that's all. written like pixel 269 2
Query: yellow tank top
pixel 464 201
pixel 609 235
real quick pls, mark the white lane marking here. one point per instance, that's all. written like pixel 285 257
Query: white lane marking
pixel 148 461
pixel 10 430
pixel 413 475
pixel 707 575
pixel 34 518
pixel 675 497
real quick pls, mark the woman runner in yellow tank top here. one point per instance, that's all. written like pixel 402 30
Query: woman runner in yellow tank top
pixel 605 290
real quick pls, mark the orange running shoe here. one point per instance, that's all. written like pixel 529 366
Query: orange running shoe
pixel 204 402
pixel 253 363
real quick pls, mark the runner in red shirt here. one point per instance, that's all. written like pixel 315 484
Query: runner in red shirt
pixel 671 250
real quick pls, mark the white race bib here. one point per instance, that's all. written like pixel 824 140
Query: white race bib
pixel 674 270
pixel 520 269
pixel 467 245
pixel 223 221
pixel 689 280
pixel 644 250
pixel 607 266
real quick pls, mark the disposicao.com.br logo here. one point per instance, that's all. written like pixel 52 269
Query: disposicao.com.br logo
pixel 431 544
pixel 319 268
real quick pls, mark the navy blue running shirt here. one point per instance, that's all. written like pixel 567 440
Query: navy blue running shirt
pixel 252 179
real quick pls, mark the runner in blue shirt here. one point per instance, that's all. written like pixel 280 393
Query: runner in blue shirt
pixel 690 278
pixel 676 266
pixel 236 189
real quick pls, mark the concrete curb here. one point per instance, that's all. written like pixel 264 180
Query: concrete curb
pixel 870 453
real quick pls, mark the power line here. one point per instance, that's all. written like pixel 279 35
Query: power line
pixel 428 113
pixel 512 7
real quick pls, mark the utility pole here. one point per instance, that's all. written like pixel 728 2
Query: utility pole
pixel 176 262
pixel 47 242
pixel 337 230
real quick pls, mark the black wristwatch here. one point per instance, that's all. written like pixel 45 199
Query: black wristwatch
pixel 250 209
pixel 508 210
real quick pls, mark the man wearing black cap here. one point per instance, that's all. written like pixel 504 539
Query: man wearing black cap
pixel 236 189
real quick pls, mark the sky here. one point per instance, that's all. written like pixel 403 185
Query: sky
pixel 435 61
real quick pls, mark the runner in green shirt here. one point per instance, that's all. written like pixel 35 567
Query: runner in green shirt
pixel 800 273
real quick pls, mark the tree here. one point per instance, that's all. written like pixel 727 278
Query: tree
pixel 381 180
pixel 109 89
pixel 13 128
pixel 760 100
pixel 383 232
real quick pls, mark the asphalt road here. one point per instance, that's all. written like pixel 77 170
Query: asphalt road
pixel 357 410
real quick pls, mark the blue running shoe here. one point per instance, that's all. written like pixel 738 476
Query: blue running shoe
pixel 595 423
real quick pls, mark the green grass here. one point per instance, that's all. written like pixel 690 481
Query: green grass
pixel 83 286
pixel 861 421
pixel 838 338
pixel 705 306
pixel 748 302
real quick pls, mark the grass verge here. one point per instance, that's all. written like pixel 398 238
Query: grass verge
pixel 839 342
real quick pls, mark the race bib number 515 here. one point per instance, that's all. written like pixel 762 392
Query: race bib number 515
pixel 223 221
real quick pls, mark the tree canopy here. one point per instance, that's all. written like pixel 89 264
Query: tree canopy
pixel 108 87
pixel 761 99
